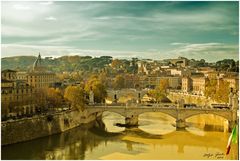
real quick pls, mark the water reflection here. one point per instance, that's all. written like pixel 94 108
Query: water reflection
pixel 110 119
pixel 156 138
pixel 156 123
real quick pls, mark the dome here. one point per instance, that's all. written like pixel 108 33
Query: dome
pixel 38 63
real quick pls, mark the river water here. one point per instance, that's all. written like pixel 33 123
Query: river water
pixel 156 138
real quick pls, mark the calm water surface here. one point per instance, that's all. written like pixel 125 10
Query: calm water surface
pixel 156 138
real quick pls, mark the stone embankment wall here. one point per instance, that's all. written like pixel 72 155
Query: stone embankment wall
pixel 39 126
pixel 199 100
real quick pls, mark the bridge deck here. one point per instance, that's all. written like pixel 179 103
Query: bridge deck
pixel 172 107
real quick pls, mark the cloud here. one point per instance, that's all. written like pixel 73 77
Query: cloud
pixel 21 7
pixel 56 51
pixel 207 51
pixel 51 18
pixel 121 26
pixel 178 43
pixel 46 3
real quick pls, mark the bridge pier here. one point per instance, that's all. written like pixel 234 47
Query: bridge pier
pixel 180 124
pixel 132 120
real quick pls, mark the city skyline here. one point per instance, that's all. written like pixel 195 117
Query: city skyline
pixel 156 30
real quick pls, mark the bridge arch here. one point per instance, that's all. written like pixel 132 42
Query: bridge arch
pixel 167 113
pixel 92 110
pixel 191 114
pixel 115 112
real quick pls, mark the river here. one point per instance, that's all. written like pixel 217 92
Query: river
pixel 156 138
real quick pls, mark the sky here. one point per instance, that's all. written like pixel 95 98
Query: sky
pixel 153 30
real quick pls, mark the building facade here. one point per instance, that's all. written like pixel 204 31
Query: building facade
pixel 186 84
pixel 39 77
pixel 23 92
pixel 17 95
pixel 198 85
pixel 194 84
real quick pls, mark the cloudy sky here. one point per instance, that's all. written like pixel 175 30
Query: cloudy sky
pixel 157 30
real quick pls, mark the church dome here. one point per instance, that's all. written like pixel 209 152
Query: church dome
pixel 37 65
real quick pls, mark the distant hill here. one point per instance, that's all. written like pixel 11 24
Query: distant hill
pixel 64 63
pixel 17 62
pixel 88 63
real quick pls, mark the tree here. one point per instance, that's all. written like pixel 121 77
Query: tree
pixel 103 78
pixel 211 88
pixel 218 90
pixel 39 98
pixel 222 92
pixel 76 95
pixel 118 82
pixel 163 86
pixel 76 76
pixel 97 87
pixel 116 63
pixel 54 98
pixel 159 93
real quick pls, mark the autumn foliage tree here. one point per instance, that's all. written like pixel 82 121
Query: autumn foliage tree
pixel 159 93
pixel 217 90
pixel 54 98
pixel 116 63
pixel 118 82
pixel 223 91
pixel 211 88
pixel 97 87
pixel 76 95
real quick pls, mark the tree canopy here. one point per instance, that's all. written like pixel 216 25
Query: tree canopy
pixel 218 90
pixel 159 93
pixel 118 82
pixel 76 95
pixel 97 87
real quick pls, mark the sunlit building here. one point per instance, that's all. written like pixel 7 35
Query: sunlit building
pixel 39 76
pixel 17 95
pixel 186 84
pixel 23 92
pixel 194 84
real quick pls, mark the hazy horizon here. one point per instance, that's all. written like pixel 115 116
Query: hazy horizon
pixel 146 30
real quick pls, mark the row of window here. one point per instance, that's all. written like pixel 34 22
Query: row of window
pixel 42 76
pixel 41 80
pixel 17 91
pixel 9 75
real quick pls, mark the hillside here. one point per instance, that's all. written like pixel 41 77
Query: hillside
pixel 17 62
pixel 64 63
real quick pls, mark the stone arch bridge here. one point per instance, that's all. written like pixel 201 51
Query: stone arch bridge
pixel 180 114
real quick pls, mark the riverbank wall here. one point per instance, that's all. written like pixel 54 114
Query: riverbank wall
pixel 14 131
